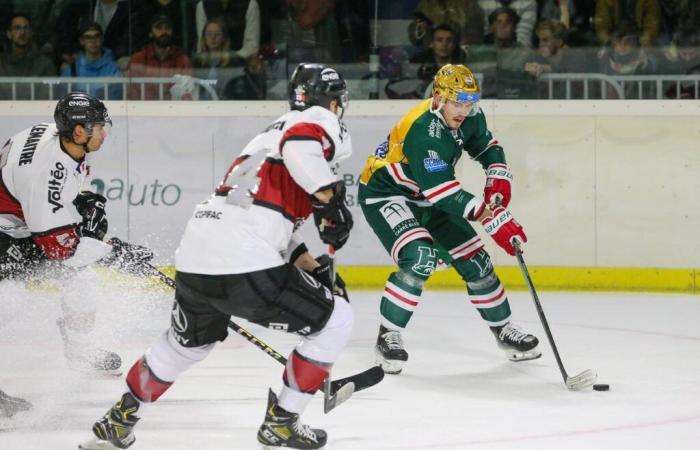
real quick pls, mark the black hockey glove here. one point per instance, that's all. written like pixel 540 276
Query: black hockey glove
pixel 333 219
pixel 323 274
pixel 127 258
pixel 91 207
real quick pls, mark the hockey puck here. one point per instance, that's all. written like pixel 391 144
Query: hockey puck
pixel 601 387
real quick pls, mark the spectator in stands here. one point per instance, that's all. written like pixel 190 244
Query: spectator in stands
pixel 252 85
pixel 242 20
pixel 159 58
pixel 682 57
pixel 645 14
pixel 23 59
pixel 312 32
pixel 625 56
pixel 182 16
pixel 43 14
pixel 464 16
pixel 94 61
pixel 443 50
pixel 502 59
pixel 549 57
pixel 526 10
pixel 123 25
pixel 214 60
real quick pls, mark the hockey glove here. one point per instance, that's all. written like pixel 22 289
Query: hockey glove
pixel 503 229
pixel 127 258
pixel 323 274
pixel 91 207
pixel 498 184
pixel 333 219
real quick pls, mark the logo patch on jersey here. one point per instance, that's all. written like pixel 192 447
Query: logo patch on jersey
pixel 435 129
pixel 433 163
pixel 58 178
pixel 382 150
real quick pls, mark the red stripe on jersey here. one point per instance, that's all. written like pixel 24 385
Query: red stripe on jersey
pixel 440 191
pixel 304 131
pixel 144 384
pixel 401 297
pixel 8 203
pixel 277 190
pixel 58 244
pixel 303 375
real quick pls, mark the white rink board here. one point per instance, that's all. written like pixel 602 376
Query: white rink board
pixel 600 183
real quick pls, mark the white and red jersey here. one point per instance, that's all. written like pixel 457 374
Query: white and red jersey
pixel 38 182
pixel 229 234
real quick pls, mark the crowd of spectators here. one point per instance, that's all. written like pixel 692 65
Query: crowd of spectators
pixel 241 45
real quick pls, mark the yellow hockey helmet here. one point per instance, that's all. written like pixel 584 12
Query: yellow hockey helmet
pixel 457 83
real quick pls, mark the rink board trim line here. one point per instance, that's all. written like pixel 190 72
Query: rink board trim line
pixel 546 278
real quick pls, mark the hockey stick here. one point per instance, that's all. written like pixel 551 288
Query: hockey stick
pixel 578 382
pixel 339 390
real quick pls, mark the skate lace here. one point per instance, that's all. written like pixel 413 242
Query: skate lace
pixel 393 340
pixel 513 333
pixel 304 430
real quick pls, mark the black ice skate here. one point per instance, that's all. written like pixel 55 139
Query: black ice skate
pixel 519 346
pixel 115 429
pixel 9 405
pixel 390 352
pixel 282 428
pixel 83 357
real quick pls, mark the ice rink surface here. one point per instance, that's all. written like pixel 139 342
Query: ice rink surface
pixel 457 391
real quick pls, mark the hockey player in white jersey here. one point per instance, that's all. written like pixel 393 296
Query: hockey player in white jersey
pixel 239 256
pixel 51 225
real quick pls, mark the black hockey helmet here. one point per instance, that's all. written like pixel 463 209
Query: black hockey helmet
pixel 79 108
pixel 314 84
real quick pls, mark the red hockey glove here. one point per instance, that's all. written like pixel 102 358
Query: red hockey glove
pixel 503 229
pixel 498 182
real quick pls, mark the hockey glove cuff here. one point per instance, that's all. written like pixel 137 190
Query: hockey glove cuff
pixel 333 219
pixel 324 273
pixel 91 207
pixel 498 185
pixel 503 229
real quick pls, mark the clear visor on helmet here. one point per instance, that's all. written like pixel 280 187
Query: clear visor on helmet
pixel 469 98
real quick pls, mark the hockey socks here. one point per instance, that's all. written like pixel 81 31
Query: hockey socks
pixel 486 293
pixel 399 300
pixel 302 378
pixel 144 384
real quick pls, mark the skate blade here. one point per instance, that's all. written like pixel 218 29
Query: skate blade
pixel 518 356
pixel 97 444
pixel 584 380
pixel 390 366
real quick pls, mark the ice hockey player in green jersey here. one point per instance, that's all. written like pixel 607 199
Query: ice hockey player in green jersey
pixel 419 211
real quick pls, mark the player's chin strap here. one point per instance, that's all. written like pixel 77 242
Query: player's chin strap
pixel 335 392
